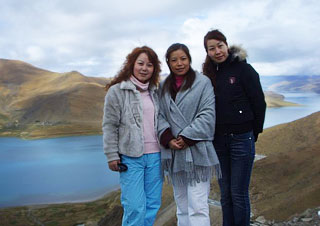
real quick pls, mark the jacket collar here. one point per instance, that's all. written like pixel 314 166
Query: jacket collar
pixel 127 84
pixel 237 53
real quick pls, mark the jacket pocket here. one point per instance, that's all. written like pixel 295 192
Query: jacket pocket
pixel 242 111
pixel 242 136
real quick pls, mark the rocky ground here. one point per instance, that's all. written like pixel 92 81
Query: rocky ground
pixel 311 217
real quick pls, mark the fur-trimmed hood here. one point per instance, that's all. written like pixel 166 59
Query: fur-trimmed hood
pixel 237 53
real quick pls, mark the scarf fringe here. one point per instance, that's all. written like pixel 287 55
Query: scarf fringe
pixel 191 175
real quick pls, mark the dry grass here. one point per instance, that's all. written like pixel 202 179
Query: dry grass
pixel 89 213
pixel 30 96
pixel 288 180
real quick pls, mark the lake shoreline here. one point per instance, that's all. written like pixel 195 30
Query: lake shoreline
pixel 82 147
pixel 45 135
pixel 22 136
pixel 86 200
pixel 35 131
pixel 81 200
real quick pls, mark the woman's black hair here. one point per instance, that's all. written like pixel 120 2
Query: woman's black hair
pixel 208 65
pixel 170 80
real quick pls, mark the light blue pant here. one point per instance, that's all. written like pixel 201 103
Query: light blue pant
pixel 141 189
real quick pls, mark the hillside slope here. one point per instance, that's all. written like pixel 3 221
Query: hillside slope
pixel 37 103
pixel 34 101
pixel 287 181
pixel 277 100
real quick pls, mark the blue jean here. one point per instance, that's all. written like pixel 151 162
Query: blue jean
pixel 141 189
pixel 236 155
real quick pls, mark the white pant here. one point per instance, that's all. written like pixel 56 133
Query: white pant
pixel 192 204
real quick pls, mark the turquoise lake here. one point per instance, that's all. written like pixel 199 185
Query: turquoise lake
pixel 53 170
pixel 72 169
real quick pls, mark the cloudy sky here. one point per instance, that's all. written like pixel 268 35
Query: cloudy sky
pixel 94 36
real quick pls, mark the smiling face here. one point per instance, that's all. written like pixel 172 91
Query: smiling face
pixel 143 68
pixel 179 62
pixel 217 50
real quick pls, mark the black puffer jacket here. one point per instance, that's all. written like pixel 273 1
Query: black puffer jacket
pixel 240 103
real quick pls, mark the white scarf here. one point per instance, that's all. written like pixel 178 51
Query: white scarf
pixel 142 86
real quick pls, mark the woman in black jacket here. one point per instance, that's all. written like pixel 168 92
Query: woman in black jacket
pixel 240 112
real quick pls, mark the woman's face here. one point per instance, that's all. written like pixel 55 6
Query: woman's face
pixel 143 68
pixel 217 50
pixel 179 62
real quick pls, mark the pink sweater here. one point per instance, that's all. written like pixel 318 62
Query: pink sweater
pixel 150 139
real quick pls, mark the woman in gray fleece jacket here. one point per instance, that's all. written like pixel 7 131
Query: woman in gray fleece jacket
pixel 129 136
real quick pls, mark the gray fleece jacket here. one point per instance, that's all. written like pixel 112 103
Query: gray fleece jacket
pixel 122 124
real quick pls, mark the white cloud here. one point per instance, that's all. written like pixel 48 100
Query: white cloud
pixel 34 53
pixel 90 62
pixel 94 37
pixel 289 67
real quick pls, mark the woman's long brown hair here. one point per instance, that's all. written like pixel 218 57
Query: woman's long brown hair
pixel 127 67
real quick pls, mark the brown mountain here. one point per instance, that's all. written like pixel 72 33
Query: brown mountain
pixel 39 103
pixel 274 99
pixel 34 101
pixel 291 83
pixel 287 181
pixel 298 84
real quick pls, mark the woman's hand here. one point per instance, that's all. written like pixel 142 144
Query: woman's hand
pixel 177 144
pixel 173 144
pixel 113 165
pixel 182 142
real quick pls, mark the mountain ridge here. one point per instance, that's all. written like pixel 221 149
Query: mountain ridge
pixel 34 100
pixel 294 83
pixel 38 103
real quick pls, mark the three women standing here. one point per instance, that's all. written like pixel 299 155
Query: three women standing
pixel 186 130
pixel 240 111
pixel 129 136
pixel 194 120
